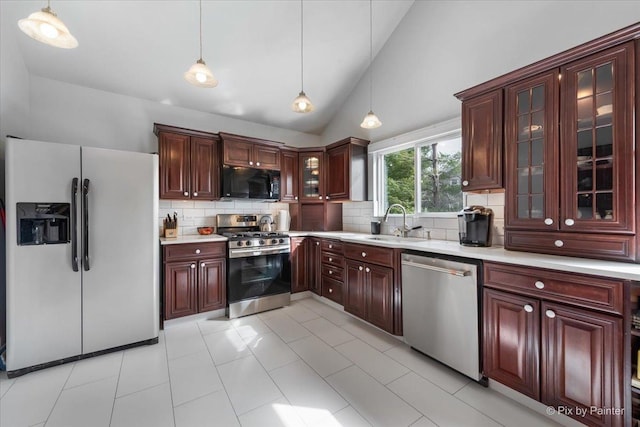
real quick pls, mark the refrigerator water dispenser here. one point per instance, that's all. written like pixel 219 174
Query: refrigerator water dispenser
pixel 43 223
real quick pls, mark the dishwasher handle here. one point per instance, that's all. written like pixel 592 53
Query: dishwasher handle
pixel 459 273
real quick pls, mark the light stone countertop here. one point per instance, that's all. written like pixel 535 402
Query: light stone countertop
pixel 620 270
pixel 193 238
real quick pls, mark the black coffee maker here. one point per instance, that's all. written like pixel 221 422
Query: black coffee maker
pixel 475 224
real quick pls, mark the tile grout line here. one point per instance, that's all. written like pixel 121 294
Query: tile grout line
pixel 115 392
pixel 166 352
pixel 60 394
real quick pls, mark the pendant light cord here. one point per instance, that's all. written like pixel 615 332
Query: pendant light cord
pixel 370 55
pixel 302 45
pixel 200 30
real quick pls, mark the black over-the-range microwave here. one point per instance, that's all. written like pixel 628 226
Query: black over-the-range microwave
pixel 250 183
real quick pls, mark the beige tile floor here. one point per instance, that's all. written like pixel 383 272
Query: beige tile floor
pixel 303 365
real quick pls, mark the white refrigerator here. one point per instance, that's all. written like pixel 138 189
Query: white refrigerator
pixel 94 285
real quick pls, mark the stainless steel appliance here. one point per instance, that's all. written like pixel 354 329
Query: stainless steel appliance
pixel 440 309
pixel 475 224
pixel 250 183
pixel 258 266
pixel 82 266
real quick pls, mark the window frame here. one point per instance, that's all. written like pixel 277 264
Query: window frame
pixel 416 140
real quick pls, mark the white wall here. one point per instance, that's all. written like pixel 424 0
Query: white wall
pixel 443 47
pixel 62 112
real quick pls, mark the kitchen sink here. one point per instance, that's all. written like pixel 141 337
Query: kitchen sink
pixel 396 239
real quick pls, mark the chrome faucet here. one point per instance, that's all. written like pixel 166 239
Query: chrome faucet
pixel 405 228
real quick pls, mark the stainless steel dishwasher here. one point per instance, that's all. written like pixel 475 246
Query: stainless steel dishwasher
pixel 440 309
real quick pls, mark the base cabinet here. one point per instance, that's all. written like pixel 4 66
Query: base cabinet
pixel 299 263
pixel 195 278
pixel 314 264
pixel 563 354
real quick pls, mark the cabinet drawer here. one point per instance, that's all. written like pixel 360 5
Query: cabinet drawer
pixel 576 289
pixel 333 272
pixel 332 289
pixel 332 259
pixel 373 254
pixel 334 246
pixel 195 250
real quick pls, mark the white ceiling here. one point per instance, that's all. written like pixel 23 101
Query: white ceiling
pixel 142 48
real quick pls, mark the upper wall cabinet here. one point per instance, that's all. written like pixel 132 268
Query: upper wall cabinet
pixel 189 164
pixel 289 176
pixel 250 152
pixel 311 181
pixel 346 170
pixel 482 142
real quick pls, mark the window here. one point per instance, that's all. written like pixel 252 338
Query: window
pixel 423 176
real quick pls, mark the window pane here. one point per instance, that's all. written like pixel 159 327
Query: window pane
pixel 400 178
pixel 440 189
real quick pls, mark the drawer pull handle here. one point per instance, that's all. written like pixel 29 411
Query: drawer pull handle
pixel 330 272
pixel 330 259
pixel 539 284
pixel 360 268
pixel 330 290
pixel 330 246
pixel 569 222
pixel 548 221
pixel 364 254
pixel 550 314
pixel 193 266
pixel 528 308
pixel 559 243
pixel 197 251
pixel 367 269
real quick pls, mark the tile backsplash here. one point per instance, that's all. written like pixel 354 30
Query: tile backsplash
pixel 194 214
pixel 357 217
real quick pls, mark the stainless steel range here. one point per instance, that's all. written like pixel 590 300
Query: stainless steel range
pixel 258 266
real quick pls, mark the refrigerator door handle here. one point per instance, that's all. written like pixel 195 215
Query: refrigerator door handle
pixel 85 215
pixel 74 224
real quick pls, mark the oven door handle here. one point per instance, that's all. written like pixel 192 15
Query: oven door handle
pixel 259 251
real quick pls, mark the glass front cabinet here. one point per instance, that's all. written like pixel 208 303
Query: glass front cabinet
pixel 570 158
pixel 311 179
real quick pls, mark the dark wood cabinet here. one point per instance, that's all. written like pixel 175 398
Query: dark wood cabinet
pixel 189 164
pixel 314 265
pixel 316 216
pixel 346 170
pixel 482 142
pixel 244 151
pixel 311 180
pixel 563 192
pixel 372 285
pixel 555 340
pixel 289 176
pixel 332 269
pixel 299 264
pixel 195 278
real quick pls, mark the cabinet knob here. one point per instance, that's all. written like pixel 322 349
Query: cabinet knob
pixel 250 163
pixel 193 266
pixel 465 183
pixel 550 314
pixel 559 243
pixel 257 163
pixel 330 259
pixel 330 271
pixel 296 198
pixel 528 308
pixel 360 268
pixel 539 284
pixel 569 222
pixel 548 221
pixel 326 197
pixel 330 290
pixel 186 193
pixel 195 194
pixel 364 254
pixel 197 251
pixel 317 243
pixel 320 197
pixel 202 264
pixel 367 269
pixel 330 246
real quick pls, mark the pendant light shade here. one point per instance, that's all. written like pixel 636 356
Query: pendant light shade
pixel 199 74
pixel 46 27
pixel 371 121
pixel 302 103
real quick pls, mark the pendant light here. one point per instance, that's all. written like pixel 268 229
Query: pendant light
pixel 302 103
pixel 46 27
pixel 199 74
pixel 371 121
